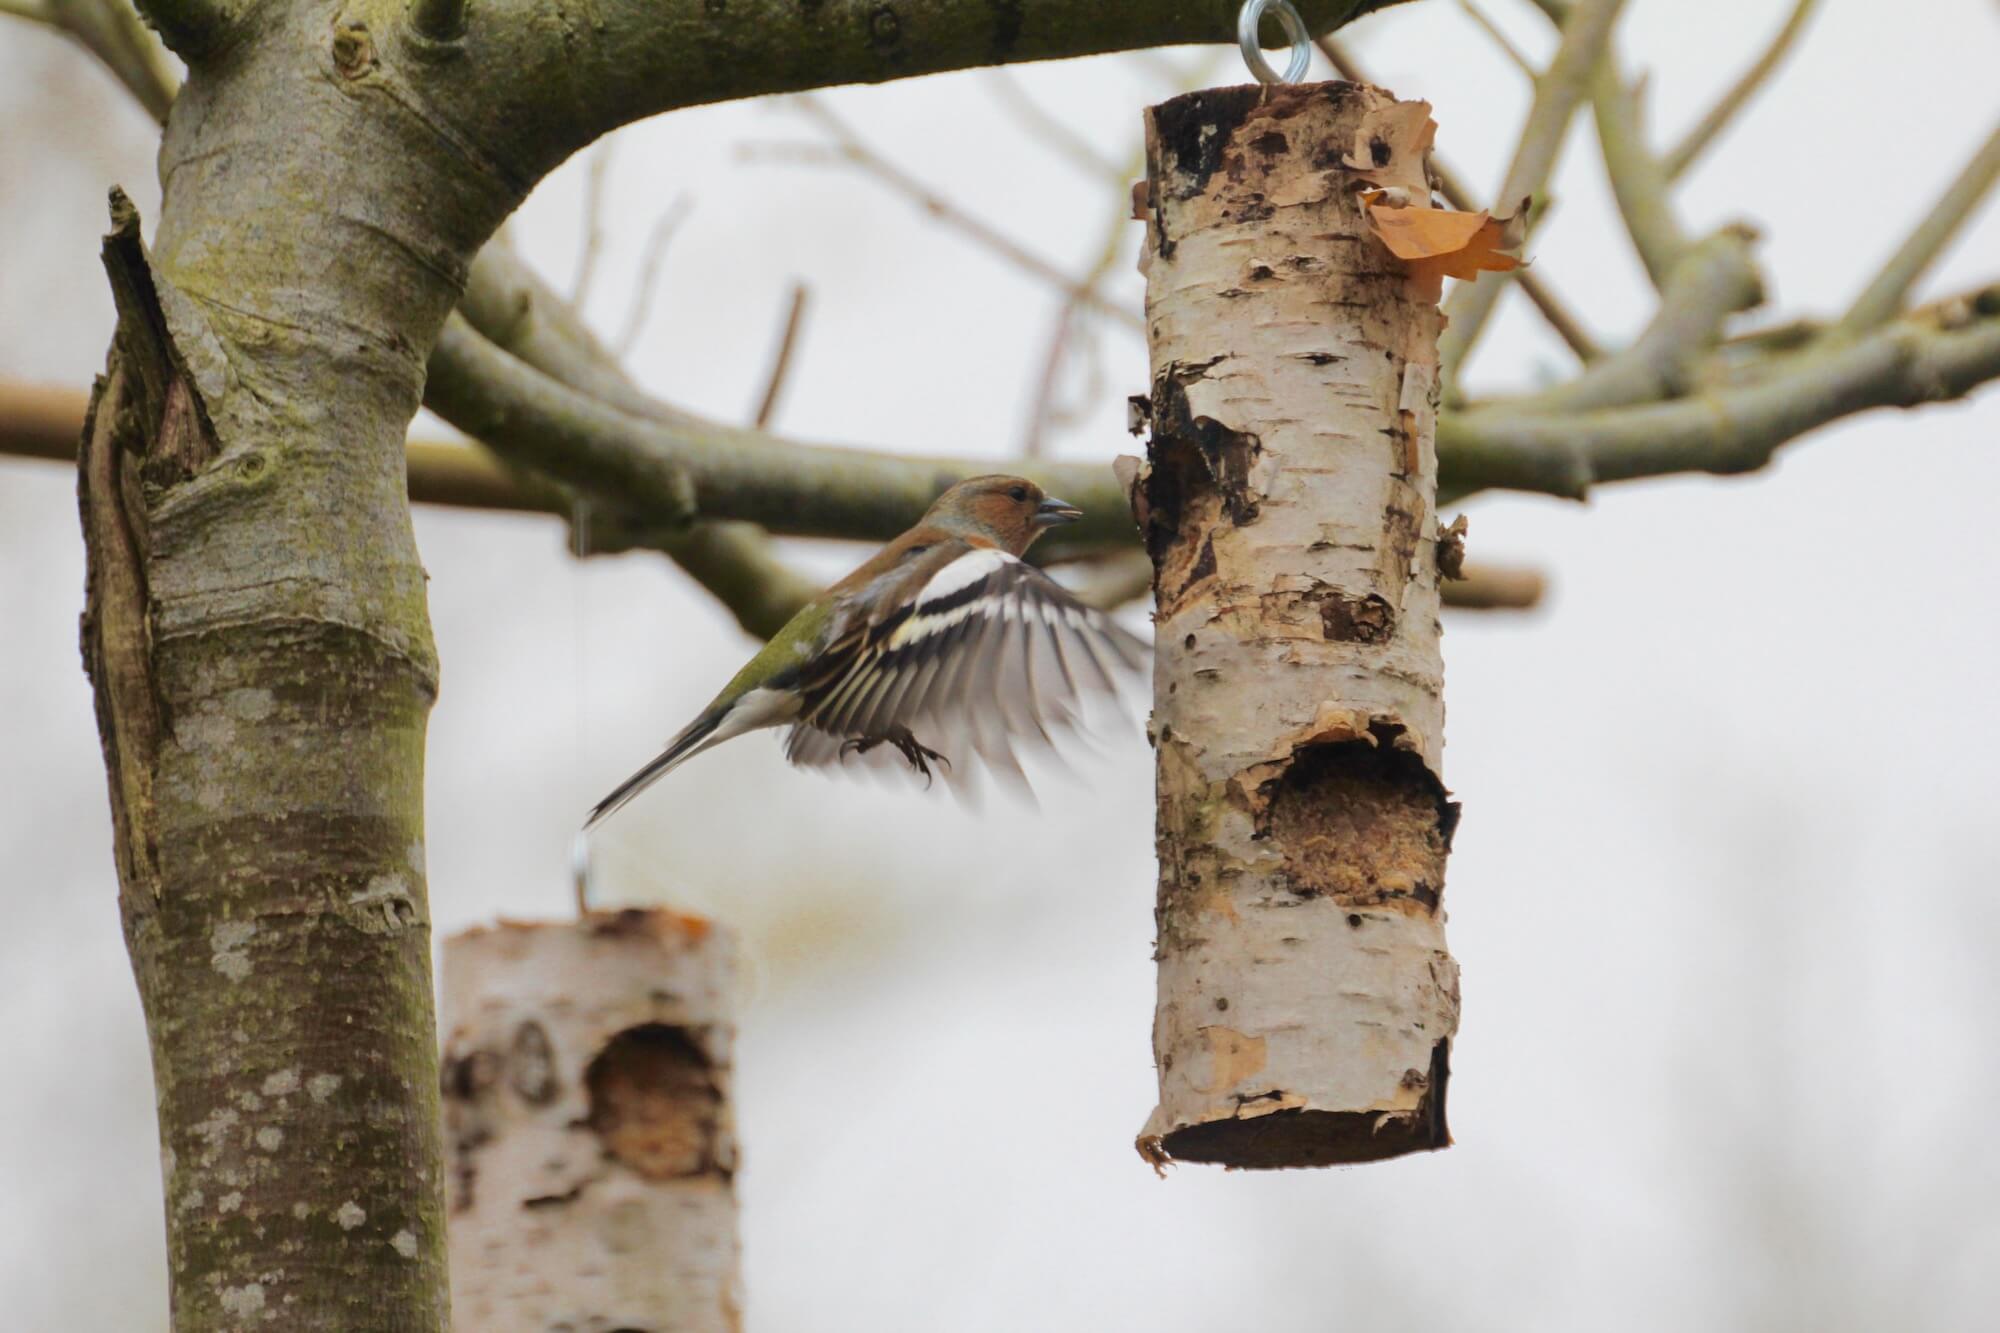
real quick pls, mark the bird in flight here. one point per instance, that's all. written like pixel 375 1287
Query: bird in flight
pixel 943 646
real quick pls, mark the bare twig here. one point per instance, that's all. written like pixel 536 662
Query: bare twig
pixel 1053 358
pixel 648 280
pixel 1553 309
pixel 1638 180
pixel 1585 35
pixel 1514 54
pixel 111 31
pixel 1713 281
pixel 1049 129
pixel 853 150
pixel 597 172
pixel 1884 296
pixel 1683 154
pixel 781 358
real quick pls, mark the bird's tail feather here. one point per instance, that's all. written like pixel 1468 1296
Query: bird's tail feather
pixel 694 738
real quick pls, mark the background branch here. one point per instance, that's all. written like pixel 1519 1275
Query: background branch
pixel 1683 154
pixel 1638 180
pixel 781 358
pixel 111 31
pixel 1930 355
pixel 1714 280
pixel 1585 31
pixel 850 148
pixel 1884 296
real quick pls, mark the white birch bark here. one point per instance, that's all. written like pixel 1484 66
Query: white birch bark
pixel 1306 999
pixel 589 1128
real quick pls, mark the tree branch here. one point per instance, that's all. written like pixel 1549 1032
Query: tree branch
pixel 1585 34
pixel 638 58
pixel 1713 281
pixel 507 303
pixel 1683 154
pixel 191 28
pixel 1884 296
pixel 1495 588
pixel 1514 54
pixel 111 31
pixel 1940 353
pixel 676 469
pixel 1638 180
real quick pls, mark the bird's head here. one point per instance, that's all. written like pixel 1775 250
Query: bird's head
pixel 1010 512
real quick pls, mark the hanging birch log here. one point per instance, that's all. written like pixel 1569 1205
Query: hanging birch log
pixel 1306 1000
pixel 587 1113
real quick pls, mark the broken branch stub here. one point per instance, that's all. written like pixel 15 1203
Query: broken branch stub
pixel 587 1072
pixel 1306 1000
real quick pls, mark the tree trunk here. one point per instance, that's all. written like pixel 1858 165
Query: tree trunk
pixel 587 1071
pixel 263 670
pixel 1306 1000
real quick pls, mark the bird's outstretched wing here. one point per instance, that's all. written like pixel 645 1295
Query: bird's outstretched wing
pixel 989 653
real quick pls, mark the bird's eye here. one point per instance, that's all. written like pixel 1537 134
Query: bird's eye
pixel 1018 494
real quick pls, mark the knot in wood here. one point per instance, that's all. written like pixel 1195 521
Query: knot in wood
pixel 353 49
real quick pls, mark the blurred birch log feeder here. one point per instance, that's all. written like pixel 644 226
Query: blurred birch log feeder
pixel 1306 1000
pixel 587 1112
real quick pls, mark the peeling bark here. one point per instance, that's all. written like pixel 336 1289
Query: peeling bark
pixel 1306 999
pixel 586 1076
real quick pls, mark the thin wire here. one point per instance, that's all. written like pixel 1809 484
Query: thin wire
pixel 579 847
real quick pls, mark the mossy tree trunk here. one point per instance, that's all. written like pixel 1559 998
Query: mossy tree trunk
pixel 256 631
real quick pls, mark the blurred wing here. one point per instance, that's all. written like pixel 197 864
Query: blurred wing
pixel 990 652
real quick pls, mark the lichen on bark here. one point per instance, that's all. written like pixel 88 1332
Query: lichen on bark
pixel 1306 999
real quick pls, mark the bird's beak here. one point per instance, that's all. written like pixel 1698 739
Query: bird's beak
pixel 1053 511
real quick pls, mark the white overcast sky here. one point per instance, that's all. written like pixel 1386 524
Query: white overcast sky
pixel 1723 895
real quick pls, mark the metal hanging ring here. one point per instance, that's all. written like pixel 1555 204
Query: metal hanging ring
pixel 1247 21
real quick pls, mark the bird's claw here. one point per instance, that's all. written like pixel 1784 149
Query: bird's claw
pixel 912 749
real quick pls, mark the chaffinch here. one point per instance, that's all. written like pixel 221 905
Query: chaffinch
pixel 945 638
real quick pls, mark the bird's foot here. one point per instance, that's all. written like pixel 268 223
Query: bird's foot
pixel 920 755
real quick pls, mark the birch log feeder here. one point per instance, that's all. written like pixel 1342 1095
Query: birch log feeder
pixel 587 1116
pixel 1306 1000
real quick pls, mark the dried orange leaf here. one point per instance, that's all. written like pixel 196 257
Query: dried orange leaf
pixel 1438 243
pixel 1390 144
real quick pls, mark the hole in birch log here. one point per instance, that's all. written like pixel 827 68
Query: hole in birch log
pixel 1324 1138
pixel 1365 825
pixel 654 1103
